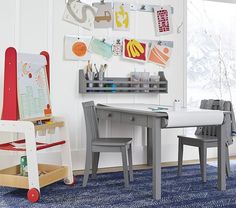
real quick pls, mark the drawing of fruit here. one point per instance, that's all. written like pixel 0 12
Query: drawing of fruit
pixel 79 49
pixel 106 17
pixel 135 49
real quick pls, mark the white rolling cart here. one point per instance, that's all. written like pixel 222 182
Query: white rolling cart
pixel 39 175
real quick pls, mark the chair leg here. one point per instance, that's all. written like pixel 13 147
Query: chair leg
pixel 88 164
pixel 227 161
pixel 130 163
pixel 180 157
pixel 125 166
pixel 95 164
pixel 203 159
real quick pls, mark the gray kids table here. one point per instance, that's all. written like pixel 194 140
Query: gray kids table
pixel 141 115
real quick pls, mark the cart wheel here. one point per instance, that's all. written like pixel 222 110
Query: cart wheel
pixel 33 195
pixel 66 181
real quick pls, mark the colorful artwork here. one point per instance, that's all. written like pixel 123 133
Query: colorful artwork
pixel 33 92
pixel 121 16
pixel 76 48
pixel 80 14
pixel 163 20
pixel 134 49
pixel 103 18
pixel 160 52
pixel 101 47
pixel 117 47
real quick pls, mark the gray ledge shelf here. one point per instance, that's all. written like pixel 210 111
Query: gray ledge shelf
pixel 121 85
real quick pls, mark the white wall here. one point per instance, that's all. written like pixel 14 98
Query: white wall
pixel 35 25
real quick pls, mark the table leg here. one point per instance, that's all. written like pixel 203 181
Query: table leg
pixel 149 146
pixel 156 168
pixel 221 158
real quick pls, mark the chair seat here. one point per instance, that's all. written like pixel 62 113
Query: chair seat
pixel 112 141
pixel 199 138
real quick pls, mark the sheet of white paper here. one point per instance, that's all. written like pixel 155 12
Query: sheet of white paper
pixel 18 145
pixel 81 14
pixel 182 117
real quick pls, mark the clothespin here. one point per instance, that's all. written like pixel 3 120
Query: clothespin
pixel 143 7
pixel 68 2
pixel 102 2
pixel 159 42
pixel 103 40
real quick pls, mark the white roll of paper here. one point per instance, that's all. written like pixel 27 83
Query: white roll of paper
pixel 194 117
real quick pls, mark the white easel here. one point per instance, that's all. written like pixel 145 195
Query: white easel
pixel 51 173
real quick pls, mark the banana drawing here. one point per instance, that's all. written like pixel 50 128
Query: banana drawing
pixel 134 48
pixel 138 45
pixel 128 46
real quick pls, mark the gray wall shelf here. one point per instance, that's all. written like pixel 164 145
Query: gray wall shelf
pixel 121 85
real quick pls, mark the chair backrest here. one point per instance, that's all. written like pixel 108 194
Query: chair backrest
pixel 214 105
pixel 90 121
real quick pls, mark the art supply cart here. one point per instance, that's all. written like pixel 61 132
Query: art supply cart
pixel 38 175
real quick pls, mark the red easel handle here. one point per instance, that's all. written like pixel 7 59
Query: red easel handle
pixel 10 109
pixel 45 53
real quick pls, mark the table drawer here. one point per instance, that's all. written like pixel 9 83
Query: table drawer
pixel 108 115
pixel 138 120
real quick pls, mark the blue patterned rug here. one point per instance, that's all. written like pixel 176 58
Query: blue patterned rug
pixel 108 191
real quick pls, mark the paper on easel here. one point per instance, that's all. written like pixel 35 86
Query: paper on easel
pixel 34 62
pixel 32 87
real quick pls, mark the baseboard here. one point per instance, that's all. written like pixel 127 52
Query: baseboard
pixel 107 163
pixel 145 167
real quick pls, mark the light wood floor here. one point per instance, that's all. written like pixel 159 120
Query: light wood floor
pixel 143 167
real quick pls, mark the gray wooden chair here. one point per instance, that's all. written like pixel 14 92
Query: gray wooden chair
pixel 204 137
pixel 95 145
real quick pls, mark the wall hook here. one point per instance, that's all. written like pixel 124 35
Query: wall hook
pixel 179 27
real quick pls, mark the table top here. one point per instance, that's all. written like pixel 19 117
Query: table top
pixel 183 116
pixel 137 108
pixel 153 109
